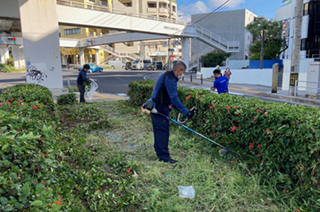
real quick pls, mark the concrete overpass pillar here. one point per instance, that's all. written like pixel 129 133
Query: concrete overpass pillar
pixel 82 60
pixel 185 51
pixel 40 32
pixel 4 55
pixel 18 56
pixel 97 57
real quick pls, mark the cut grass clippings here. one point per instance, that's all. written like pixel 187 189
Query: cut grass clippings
pixel 219 180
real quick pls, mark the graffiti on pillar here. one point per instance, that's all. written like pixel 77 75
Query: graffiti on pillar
pixel 34 74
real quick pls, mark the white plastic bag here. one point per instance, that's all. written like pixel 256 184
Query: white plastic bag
pixel 186 192
pixel 92 89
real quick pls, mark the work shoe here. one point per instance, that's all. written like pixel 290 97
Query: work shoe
pixel 169 161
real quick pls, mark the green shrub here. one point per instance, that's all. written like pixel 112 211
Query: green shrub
pixel 67 99
pixel 10 68
pixel 277 141
pixel 10 61
pixel 29 93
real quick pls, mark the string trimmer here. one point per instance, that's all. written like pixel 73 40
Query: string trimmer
pixel 150 107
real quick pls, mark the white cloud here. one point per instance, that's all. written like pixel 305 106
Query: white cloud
pixel 229 4
pixel 195 8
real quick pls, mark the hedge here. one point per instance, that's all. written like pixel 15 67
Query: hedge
pixel 277 141
pixel 46 169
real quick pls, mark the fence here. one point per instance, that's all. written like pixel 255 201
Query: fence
pixel 192 77
pixel 296 85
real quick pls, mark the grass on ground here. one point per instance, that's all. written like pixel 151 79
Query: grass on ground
pixel 219 185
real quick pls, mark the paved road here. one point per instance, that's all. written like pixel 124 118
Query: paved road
pixel 109 81
pixel 116 82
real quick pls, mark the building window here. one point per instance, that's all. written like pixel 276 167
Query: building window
pixel 73 31
pixel 104 3
pixel 174 9
pixel 91 1
pixel 305 9
pixel 152 5
pixel 162 5
pixel 128 4
pixel 303 44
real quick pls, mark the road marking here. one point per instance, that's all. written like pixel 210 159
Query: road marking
pixel 121 94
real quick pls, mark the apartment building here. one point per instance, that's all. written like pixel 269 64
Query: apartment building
pixel 71 55
pixel 157 50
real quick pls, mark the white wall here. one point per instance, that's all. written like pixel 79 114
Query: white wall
pixel 245 76
pixel 237 64
pixel 303 70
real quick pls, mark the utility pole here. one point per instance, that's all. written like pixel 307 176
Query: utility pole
pixel 262 49
pixel 169 40
pixel 295 56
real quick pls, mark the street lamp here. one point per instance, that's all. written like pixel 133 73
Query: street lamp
pixel 262 44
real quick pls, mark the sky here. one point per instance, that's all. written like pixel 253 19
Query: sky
pixel 266 8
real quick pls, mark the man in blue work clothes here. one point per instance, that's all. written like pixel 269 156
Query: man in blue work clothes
pixel 221 82
pixel 164 94
pixel 82 78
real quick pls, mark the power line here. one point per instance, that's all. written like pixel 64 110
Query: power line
pixel 214 13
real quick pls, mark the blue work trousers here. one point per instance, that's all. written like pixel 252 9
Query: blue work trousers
pixel 161 133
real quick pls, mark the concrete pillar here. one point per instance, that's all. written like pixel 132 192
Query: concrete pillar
pixel 97 57
pixel 64 59
pixel 185 51
pixel 82 61
pixel 40 32
pixel 4 55
pixel 18 56
pixel 275 73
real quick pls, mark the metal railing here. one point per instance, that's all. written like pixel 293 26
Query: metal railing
pixel 191 77
pixel 194 60
pixel 296 85
pixel 117 11
pixel 223 44
pixel 120 53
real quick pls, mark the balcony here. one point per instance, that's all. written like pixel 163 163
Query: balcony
pixel 163 10
pixel 152 10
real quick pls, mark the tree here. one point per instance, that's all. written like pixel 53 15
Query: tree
pixel 215 58
pixel 272 42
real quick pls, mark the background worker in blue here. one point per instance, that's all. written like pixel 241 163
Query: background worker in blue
pixel 164 94
pixel 221 82
pixel 82 78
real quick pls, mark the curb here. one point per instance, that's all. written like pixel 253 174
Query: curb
pixel 291 99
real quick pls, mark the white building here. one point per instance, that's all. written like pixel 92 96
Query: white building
pixel 230 25
pixel 309 50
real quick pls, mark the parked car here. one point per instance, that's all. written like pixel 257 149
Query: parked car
pixel 137 65
pixel 117 64
pixel 146 63
pixel 128 65
pixel 151 66
pixel 93 68
pixel 155 66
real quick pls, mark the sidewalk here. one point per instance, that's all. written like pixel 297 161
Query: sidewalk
pixel 99 97
pixel 259 91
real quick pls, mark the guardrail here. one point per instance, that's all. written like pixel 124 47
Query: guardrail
pixel 296 86
pixel 121 12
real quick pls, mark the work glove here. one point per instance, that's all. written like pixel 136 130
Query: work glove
pixel 191 113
